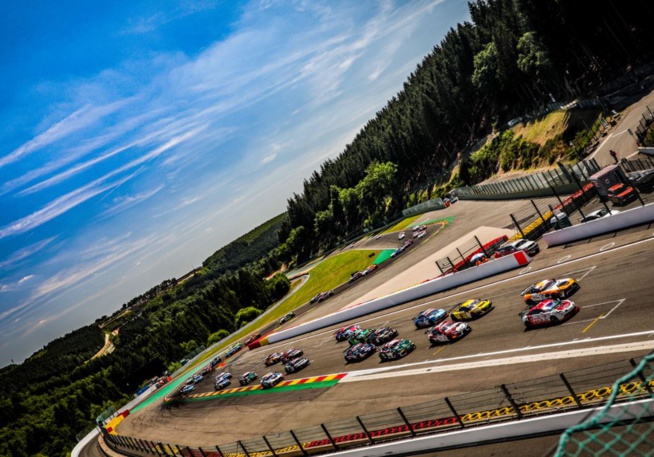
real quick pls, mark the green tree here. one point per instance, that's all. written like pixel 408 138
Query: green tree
pixel 217 336
pixel 246 315
pixel 278 285
pixel 486 77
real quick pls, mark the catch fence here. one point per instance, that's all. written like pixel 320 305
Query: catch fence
pixel 564 179
pixel 463 256
pixel 644 132
pixel 575 390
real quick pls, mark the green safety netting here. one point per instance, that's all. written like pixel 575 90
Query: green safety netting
pixel 623 427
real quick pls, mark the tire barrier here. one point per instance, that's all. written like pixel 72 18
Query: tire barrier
pixel 404 428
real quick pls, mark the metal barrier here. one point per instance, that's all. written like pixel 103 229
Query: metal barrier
pixel 547 183
pixel 575 390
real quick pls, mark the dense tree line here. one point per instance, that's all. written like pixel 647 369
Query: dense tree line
pixel 514 56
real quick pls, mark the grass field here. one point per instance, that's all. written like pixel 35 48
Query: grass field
pixel 404 223
pixel 330 273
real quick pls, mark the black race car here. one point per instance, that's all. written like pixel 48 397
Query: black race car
pixel 296 365
pixel 381 335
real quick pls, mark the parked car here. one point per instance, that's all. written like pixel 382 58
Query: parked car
pixel 549 312
pixel 271 379
pixel 530 247
pixel 600 213
pixel 621 194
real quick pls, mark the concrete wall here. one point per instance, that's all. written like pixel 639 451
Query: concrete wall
pixel 629 218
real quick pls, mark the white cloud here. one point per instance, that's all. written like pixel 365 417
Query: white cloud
pixel 25 278
pixel 269 158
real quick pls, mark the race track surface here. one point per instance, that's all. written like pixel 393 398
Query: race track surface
pixel 614 323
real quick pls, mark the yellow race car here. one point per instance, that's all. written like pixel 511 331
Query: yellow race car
pixel 549 288
pixel 471 309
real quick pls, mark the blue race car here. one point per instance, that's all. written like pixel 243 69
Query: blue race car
pixel 186 388
pixel 429 317
pixel 359 352
pixel 222 382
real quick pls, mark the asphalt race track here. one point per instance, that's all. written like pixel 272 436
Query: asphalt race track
pixel 614 323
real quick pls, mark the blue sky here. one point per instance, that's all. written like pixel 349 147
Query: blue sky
pixel 136 138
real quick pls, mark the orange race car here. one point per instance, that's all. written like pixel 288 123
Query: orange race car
pixel 549 288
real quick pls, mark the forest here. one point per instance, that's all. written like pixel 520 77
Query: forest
pixel 513 57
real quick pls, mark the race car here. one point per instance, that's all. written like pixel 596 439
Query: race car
pixel 247 378
pixel 186 388
pixel 222 382
pixel 270 380
pixel 549 312
pixel 429 317
pixel 396 349
pixel 198 378
pixel 273 358
pixel 381 335
pixel 287 318
pixel 471 309
pixel 359 352
pixel 360 336
pixel 448 331
pixel 252 338
pixel 233 349
pixel 296 365
pixel 224 375
pixel 206 370
pixel 291 354
pixel 345 333
pixel 549 288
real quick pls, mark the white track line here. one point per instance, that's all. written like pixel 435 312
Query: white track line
pixel 435 368
pixel 594 350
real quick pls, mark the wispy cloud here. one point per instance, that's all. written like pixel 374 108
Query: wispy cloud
pixel 25 253
pixel 78 120
pixel 25 278
pixel 125 202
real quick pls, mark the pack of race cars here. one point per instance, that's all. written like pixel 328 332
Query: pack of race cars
pixel 547 303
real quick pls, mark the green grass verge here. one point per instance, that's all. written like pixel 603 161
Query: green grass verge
pixel 383 256
pixel 404 223
pixel 328 274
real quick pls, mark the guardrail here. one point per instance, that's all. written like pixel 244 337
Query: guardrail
pixel 576 390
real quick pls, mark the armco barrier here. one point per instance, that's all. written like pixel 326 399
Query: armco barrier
pixel 431 287
pixel 629 218
pixel 492 433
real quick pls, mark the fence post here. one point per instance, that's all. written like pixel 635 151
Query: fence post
pixel 304 452
pixel 481 246
pixel 365 430
pixel 269 446
pixel 451 263
pixel 147 445
pixel 331 440
pixel 406 421
pixel 190 453
pixel 517 225
pixel 220 453
pixel 581 188
pixel 202 452
pixel 511 401
pixel 451 406
pixel 463 258
pixel 537 211
pixel 156 448
pixel 163 448
pixel 247 454
pixel 571 390
pixel 641 376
